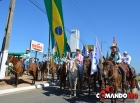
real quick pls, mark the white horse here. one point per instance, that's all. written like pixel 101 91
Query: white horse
pixel 73 75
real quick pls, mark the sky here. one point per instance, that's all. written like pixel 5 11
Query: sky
pixel 101 19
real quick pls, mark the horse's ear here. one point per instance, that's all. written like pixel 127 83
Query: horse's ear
pixel 104 58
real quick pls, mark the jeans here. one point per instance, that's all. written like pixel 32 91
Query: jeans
pixel 123 73
pixel 130 68
pixel 99 69
pixel 79 66
pixel 26 64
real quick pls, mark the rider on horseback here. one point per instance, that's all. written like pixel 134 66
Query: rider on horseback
pixel 79 60
pixel 26 58
pixel 127 59
pixel 98 65
pixel 45 58
pixel 63 58
pixel 115 56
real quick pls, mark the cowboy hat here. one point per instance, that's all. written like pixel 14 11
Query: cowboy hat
pixel 78 49
pixel 27 49
pixel 91 49
pixel 125 52
pixel 113 47
pixel 45 54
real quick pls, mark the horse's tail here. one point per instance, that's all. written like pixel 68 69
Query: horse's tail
pixel 37 74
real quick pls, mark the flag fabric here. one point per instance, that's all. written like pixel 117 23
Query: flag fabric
pixel 52 60
pixel 97 55
pixel 108 55
pixel 115 44
pixel 68 49
pixel 54 48
pixel 85 50
pixel 55 19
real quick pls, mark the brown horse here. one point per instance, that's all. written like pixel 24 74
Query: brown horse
pixel 33 70
pixel 90 79
pixel 48 66
pixel 130 81
pixel 17 67
pixel 63 74
pixel 111 71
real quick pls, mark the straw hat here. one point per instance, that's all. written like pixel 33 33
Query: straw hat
pixel 44 54
pixel 78 49
pixel 125 52
pixel 113 47
pixel 91 49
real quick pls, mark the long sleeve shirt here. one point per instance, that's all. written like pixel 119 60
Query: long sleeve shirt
pixel 91 56
pixel 27 56
pixel 79 58
pixel 45 59
pixel 116 57
pixel 127 59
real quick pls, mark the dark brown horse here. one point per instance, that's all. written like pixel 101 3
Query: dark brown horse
pixel 48 66
pixel 90 79
pixel 17 67
pixel 33 70
pixel 130 81
pixel 113 75
pixel 63 74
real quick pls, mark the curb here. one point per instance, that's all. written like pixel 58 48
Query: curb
pixel 26 88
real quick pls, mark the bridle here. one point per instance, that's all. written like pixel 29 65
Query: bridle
pixel 10 59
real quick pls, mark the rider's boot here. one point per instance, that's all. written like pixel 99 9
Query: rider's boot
pixel 131 71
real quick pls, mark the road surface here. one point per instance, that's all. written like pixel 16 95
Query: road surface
pixel 52 95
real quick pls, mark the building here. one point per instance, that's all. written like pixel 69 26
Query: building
pixel 74 39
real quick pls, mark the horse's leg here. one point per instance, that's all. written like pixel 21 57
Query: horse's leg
pixel 17 79
pixel 70 87
pixel 42 76
pixel 53 77
pixel 89 87
pixel 75 83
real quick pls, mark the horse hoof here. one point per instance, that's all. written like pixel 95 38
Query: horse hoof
pixel 14 85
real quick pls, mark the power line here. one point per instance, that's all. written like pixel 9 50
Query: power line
pixel 82 13
pixel 39 7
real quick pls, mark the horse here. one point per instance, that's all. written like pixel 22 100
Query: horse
pixel 130 81
pixel 90 79
pixel 17 67
pixel 113 75
pixel 63 74
pixel 33 70
pixel 73 75
pixel 48 66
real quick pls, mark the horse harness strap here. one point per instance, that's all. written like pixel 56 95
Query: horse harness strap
pixel 113 73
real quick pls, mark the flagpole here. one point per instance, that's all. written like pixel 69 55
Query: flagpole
pixel 49 48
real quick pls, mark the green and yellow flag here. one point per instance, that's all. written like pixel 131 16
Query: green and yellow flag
pixel 55 18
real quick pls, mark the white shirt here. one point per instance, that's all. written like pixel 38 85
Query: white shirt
pixel 91 56
pixel 127 59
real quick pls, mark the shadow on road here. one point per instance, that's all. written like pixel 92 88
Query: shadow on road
pixel 81 97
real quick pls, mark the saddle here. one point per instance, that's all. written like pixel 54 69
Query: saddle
pixel 127 70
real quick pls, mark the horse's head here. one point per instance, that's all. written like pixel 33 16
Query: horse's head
pixel 64 68
pixel 107 65
pixel 47 64
pixel 9 59
pixel 86 63
pixel 72 65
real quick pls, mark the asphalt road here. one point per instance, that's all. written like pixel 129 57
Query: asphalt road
pixel 52 95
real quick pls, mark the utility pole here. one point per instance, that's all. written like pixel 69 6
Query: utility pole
pixel 102 44
pixel 6 39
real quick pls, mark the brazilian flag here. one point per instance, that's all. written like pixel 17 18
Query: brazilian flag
pixel 55 18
